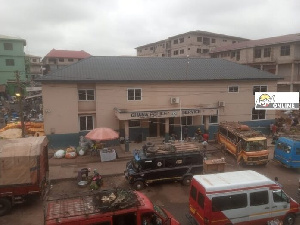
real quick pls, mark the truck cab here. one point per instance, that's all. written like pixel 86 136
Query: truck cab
pixel 107 207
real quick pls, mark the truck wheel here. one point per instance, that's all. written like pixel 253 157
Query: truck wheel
pixel 5 206
pixel 138 185
pixel 289 219
pixel 186 181
pixel 242 163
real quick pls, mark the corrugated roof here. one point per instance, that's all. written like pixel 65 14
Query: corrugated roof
pixel 4 37
pixel 67 54
pixel 117 68
pixel 260 42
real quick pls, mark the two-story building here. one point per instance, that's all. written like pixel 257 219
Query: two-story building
pixel 193 43
pixel 151 96
pixel 278 55
pixel 57 59
pixel 12 59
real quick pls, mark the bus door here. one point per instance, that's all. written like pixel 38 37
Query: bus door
pixel 280 204
pixel 196 202
pixel 259 205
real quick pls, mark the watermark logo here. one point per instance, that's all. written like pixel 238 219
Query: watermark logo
pixel 277 100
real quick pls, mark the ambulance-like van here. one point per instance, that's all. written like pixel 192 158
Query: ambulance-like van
pixel 240 197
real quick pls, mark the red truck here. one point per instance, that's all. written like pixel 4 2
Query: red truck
pixel 24 170
pixel 107 207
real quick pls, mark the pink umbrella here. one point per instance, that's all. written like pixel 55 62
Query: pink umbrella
pixel 102 134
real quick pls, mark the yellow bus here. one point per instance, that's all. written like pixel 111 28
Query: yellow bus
pixel 247 145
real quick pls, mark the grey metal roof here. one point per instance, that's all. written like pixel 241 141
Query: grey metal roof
pixel 123 69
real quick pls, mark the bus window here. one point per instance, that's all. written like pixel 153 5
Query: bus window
pixel 235 201
pixel 284 147
pixel 259 198
pixel 252 146
pixel 279 196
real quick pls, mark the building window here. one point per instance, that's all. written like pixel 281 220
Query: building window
pixel 238 55
pixel 212 119
pixel 257 53
pixel 205 51
pixel 199 39
pixel 33 60
pixel 267 52
pixel 175 52
pixel 86 95
pixel 86 123
pixel 182 51
pixel 206 41
pixel 151 48
pixel 10 62
pixel 213 40
pixel 134 123
pixel 232 54
pixel 134 94
pixel 233 42
pixel 285 50
pixel 61 60
pixel 8 46
pixel 233 89
pixel 259 88
pixel 175 42
pixel 224 40
pixel 181 40
pixel 258 114
pixel 198 50
pixel 187 120
pixel 70 60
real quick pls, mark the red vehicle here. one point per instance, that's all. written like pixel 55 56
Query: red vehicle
pixel 109 207
pixel 24 170
pixel 240 197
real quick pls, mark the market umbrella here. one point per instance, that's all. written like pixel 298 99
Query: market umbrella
pixel 102 134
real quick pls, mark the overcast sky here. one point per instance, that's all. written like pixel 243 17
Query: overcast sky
pixel 117 27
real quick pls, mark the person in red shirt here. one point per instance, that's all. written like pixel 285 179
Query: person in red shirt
pixel 205 136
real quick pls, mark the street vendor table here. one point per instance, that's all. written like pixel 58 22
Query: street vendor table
pixel 214 166
pixel 107 154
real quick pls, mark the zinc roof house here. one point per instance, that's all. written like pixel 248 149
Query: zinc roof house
pixel 152 97
pixel 56 59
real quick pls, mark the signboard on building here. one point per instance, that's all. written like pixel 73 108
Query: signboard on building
pixel 277 100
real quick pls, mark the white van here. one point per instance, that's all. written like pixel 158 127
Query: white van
pixel 241 197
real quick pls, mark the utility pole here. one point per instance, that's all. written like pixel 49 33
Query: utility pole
pixel 20 96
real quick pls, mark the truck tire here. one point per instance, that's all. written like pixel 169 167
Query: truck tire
pixel 5 206
pixel 289 219
pixel 138 185
pixel 187 181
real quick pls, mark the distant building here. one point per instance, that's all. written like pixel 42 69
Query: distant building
pixel 278 55
pixel 57 59
pixel 193 43
pixel 34 64
pixel 12 59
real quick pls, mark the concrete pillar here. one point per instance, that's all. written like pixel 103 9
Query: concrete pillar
pixel 158 127
pixel 206 123
pixel 126 122
pixel 167 129
pixel 292 78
